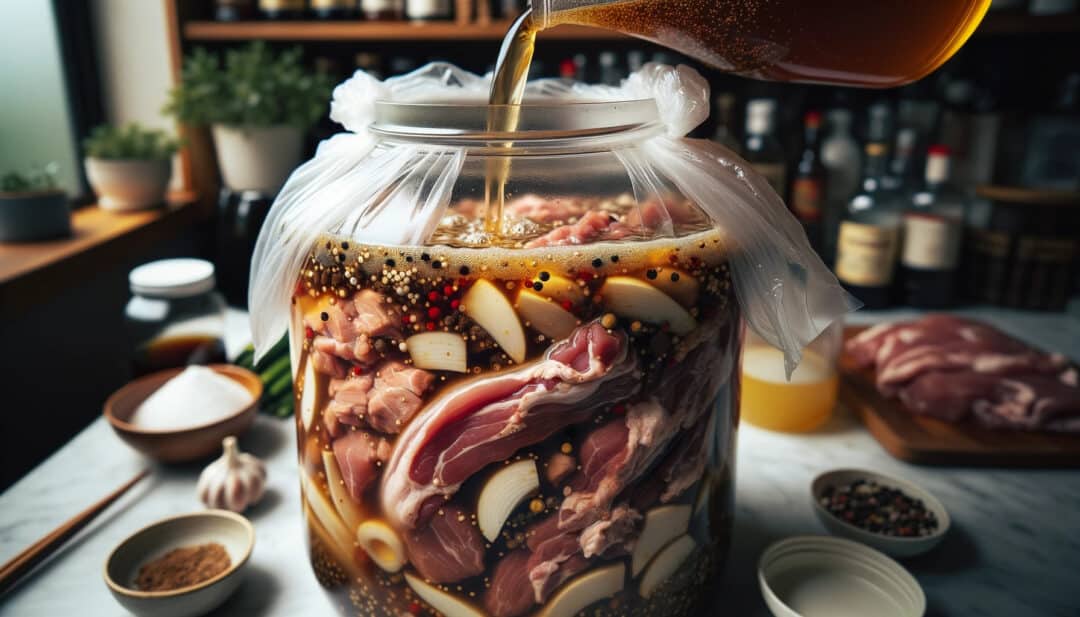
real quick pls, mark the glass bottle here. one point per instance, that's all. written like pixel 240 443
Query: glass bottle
pixel 841 159
pixel 932 236
pixel 872 44
pixel 761 149
pixel 808 184
pixel 899 178
pixel 869 235
pixel 233 10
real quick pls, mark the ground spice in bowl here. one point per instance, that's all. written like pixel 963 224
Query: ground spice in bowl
pixel 183 567
pixel 879 509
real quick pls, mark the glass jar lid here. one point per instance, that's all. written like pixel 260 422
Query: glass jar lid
pixel 172 278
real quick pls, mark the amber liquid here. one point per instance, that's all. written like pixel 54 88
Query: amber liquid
pixel 877 44
pixel 178 351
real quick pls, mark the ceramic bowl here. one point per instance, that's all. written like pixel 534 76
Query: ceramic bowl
pixel 820 576
pixel 890 545
pixel 180 445
pixel 232 531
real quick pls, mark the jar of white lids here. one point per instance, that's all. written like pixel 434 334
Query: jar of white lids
pixel 175 317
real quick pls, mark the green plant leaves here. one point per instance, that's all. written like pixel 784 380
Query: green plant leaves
pixel 254 87
pixel 130 141
pixel 36 179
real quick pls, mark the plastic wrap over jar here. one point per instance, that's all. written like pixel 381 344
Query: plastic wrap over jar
pixel 373 186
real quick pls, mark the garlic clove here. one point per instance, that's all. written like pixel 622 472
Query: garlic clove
pixel 545 316
pixel 440 351
pixel 489 308
pixel 506 488
pixel 233 482
pixel 635 299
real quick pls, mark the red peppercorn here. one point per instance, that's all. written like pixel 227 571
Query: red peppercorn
pixel 415 608
pixel 619 409
pixel 357 371
pixel 432 296
pixel 430 326
pixel 308 332
pixel 567 305
pixel 434 312
pixel 448 290
pixel 586 276
pixel 454 304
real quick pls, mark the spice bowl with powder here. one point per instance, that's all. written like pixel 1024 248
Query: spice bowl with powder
pixel 892 515
pixel 181 566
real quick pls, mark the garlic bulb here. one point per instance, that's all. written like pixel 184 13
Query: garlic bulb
pixel 234 481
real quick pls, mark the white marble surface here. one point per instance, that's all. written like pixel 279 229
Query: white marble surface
pixel 1014 549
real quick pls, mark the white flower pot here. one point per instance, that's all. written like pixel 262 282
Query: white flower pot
pixel 257 158
pixel 128 184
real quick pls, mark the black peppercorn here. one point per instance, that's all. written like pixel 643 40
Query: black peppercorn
pixel 463 270
pixel 651 274
pixel 391 263
pixel 597 263
pixel 436 264
pixel 544 276
pixel 674 277
pixel 324 316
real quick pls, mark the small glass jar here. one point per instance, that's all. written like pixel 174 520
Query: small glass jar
pixel 175 317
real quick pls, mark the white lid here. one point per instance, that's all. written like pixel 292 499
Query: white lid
pixel 172 278
pixel 819 576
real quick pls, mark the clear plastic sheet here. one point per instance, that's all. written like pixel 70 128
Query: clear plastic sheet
pixel 395 192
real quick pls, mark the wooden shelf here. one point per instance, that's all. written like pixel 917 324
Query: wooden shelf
pixel 494 31
pixel 373 31
pixel 30 271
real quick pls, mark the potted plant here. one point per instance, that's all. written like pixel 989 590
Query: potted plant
pixel 32 207
pixel 258 106
pixel 129 166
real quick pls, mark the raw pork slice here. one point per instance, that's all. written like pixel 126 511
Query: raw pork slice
pixel 359 454
pixel 449 549
pixel 1030 402
pixel 486 420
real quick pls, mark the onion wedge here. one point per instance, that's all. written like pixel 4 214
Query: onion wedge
pixel 665 564
pixel 446 603
pixel 580 592
pixel 489 308
pixel 506 488
pixel 662 525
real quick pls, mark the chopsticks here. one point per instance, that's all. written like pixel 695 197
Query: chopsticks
pixel 37 552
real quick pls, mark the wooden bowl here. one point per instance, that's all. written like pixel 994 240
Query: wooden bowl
pixel 234 532
pixel 180 445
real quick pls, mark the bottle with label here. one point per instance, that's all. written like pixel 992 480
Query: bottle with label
pixel 429 10
pixel 333 9
pixel 281 9
pixel 899 178
pixel 725 122
pixel 932 235
pixel 869 235
pixel 761 149
pixel 808 185
pixel 383 10
pixel 841 158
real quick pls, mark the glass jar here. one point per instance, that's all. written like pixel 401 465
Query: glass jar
pixel 517 350
pixel 174 317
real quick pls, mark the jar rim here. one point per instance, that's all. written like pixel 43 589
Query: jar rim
pixel 537 120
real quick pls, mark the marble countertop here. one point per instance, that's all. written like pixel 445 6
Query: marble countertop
pixel 1014 548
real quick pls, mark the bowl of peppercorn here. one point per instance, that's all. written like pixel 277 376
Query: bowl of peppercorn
pixel 892 515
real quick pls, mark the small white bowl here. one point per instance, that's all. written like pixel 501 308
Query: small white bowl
pixel 820 576
pixel 232 531
pixel 890 545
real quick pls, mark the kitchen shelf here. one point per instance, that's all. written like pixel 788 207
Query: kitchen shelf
pixel 494 30
pixel 374 31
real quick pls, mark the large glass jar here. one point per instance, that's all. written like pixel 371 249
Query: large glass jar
pixel 525 408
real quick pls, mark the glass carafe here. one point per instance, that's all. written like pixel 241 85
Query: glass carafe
pixel 879 44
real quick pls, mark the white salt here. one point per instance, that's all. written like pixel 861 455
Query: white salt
pixel 196 396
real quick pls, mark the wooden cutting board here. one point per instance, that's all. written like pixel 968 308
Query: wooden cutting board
pixel 928 441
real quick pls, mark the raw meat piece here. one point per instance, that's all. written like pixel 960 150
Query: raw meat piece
pixel 684 465
pixel 945 395
pixel 613 536
pixel 591 227
pixel 1031 402
pixel 510 593
pixel 395 396
pixel 486 420
pixel 448 549
pixel 350 326
pixel 326 362
pixel 555 556
pixel 359 454
pixel 977 357
pixel 348 403
pixel 542 210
